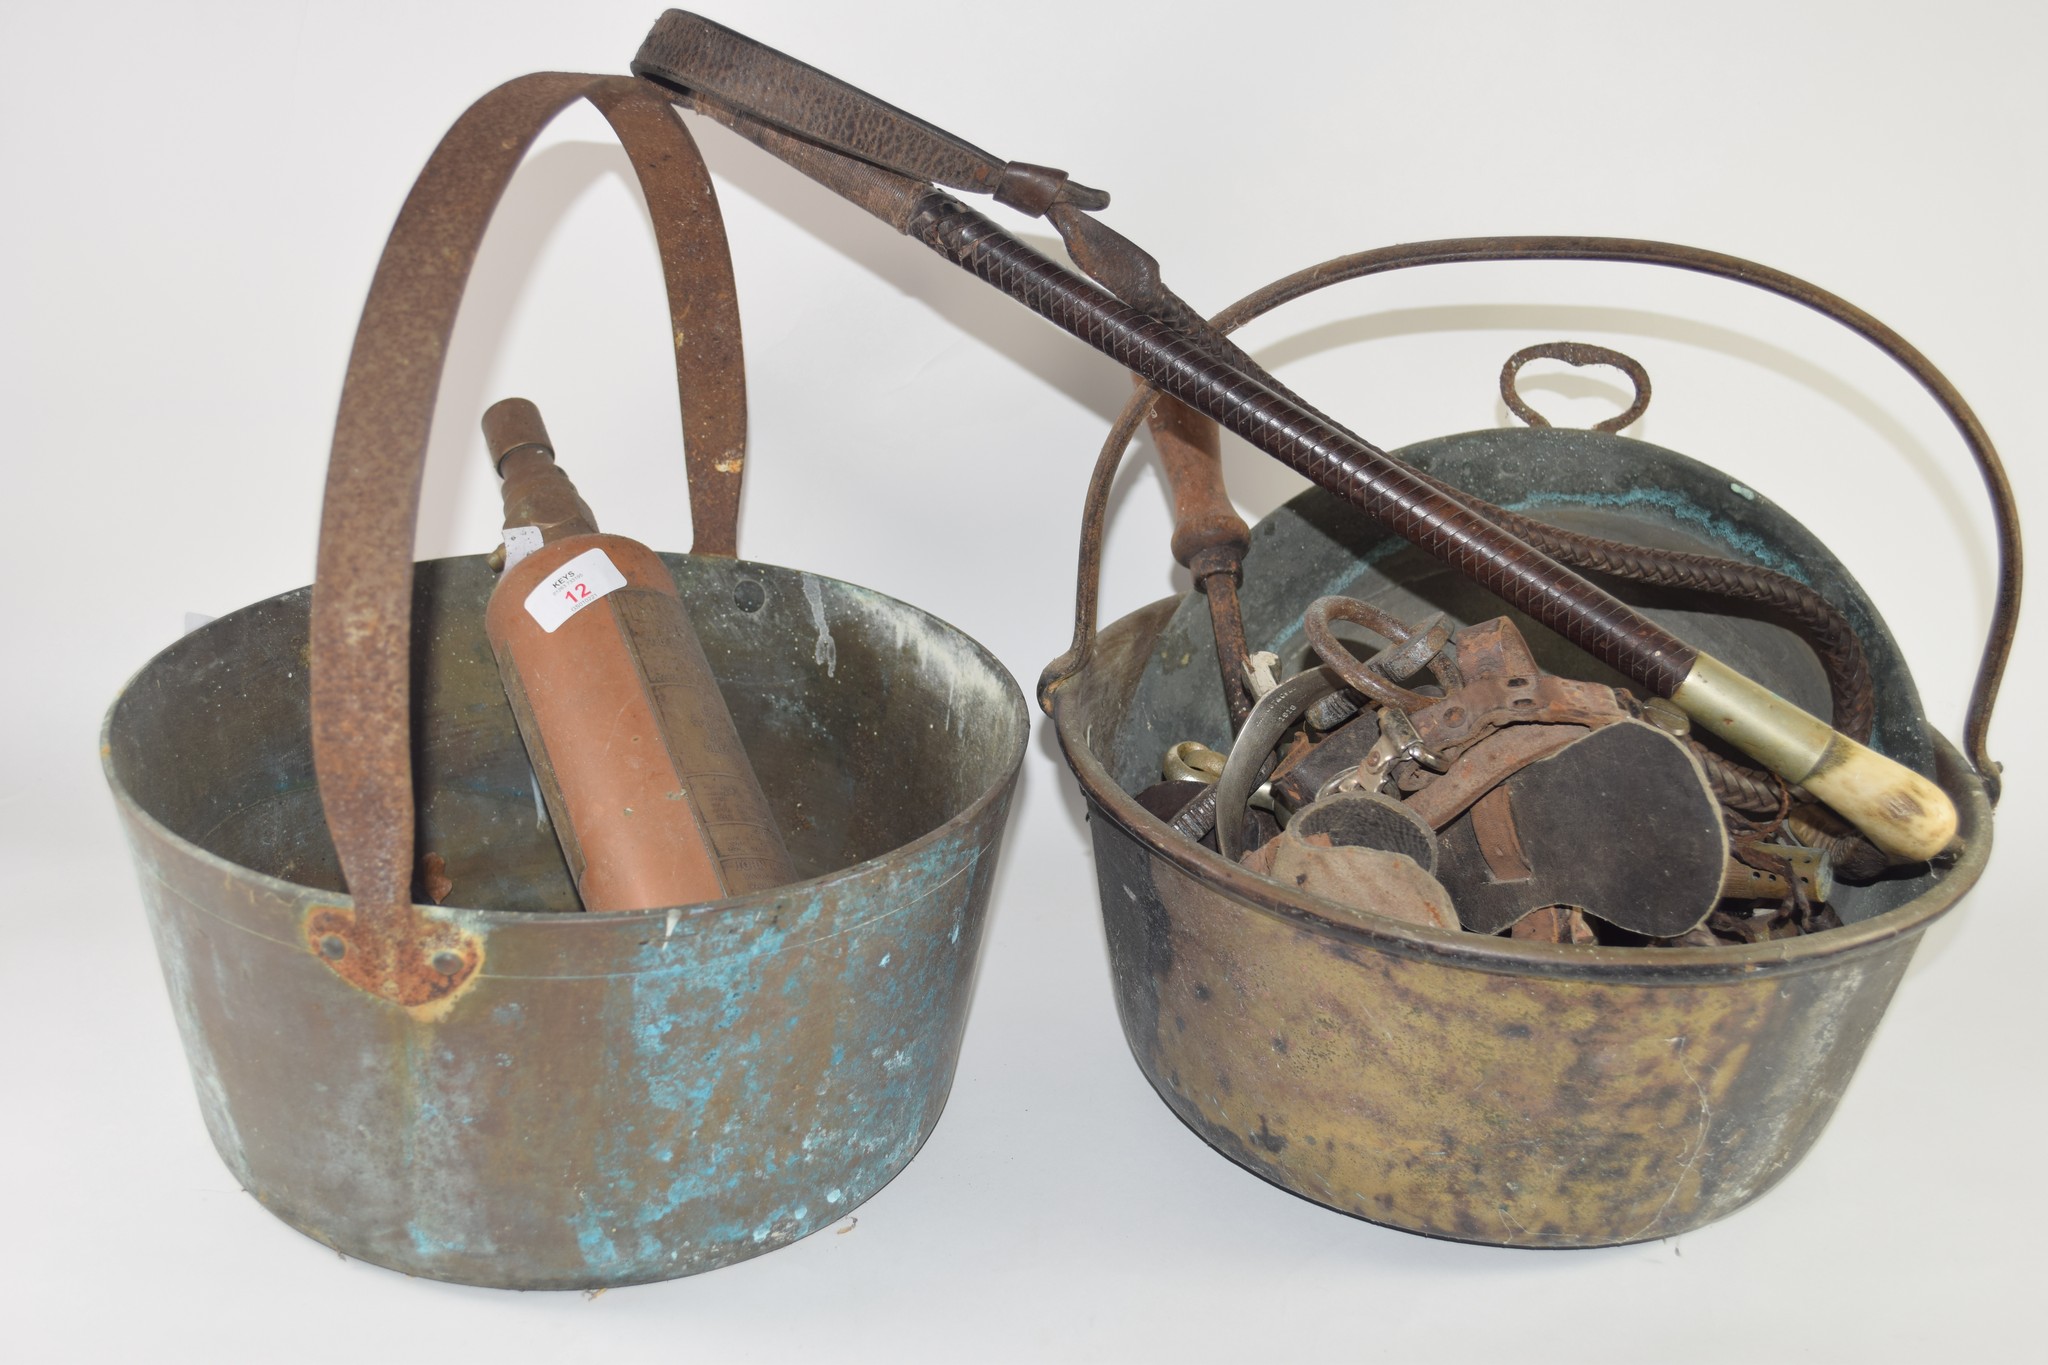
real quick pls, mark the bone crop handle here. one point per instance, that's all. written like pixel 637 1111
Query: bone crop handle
pixel 362 589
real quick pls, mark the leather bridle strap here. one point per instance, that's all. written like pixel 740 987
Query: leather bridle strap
pixel 776 100
pixel 774 88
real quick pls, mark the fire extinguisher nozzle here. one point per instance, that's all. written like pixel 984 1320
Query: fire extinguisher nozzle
pixel 514 424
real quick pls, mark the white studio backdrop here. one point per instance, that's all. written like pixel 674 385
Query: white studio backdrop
pixel 196 197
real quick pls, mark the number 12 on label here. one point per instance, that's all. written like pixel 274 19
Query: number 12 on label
pixel 572 587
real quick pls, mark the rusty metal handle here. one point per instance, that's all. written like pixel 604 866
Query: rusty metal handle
pixel 362 588
pixel 1459 250
pixel 1209 537
pixel 1190 450
pixel 1578 353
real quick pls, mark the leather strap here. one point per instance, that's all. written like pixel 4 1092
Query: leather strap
pixel 707 59
pixel 882 157
pixel 362 590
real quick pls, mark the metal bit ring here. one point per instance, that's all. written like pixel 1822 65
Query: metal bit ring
pixel 1362 678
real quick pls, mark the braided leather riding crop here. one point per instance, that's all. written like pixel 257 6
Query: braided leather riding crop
pixel 891 163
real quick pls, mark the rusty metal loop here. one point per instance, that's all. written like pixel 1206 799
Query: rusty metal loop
pixel 1465 250
pixel 1579 353
pixel 1361 677
pixel 362 586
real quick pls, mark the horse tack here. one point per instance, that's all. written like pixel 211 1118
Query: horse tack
pixel 1626 831
pixel 1497 685
pixel 1540 790
pixel 1619 824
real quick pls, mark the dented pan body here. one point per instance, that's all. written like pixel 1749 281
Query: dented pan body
pixel 1459 1085
pixel 617 1098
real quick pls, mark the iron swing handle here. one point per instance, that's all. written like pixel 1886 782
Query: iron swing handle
pixel 362 588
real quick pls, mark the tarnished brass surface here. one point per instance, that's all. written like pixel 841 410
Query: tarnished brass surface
pixel 600 1099
pixel 1469 1086
pixel 1465 1086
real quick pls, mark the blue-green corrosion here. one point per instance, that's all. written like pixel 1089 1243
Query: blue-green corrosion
pixel 780 1076
pixel 756 1071
pixel 609 1099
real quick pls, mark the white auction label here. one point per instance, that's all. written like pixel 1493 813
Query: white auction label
pixel 573 587
pixel 520 541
